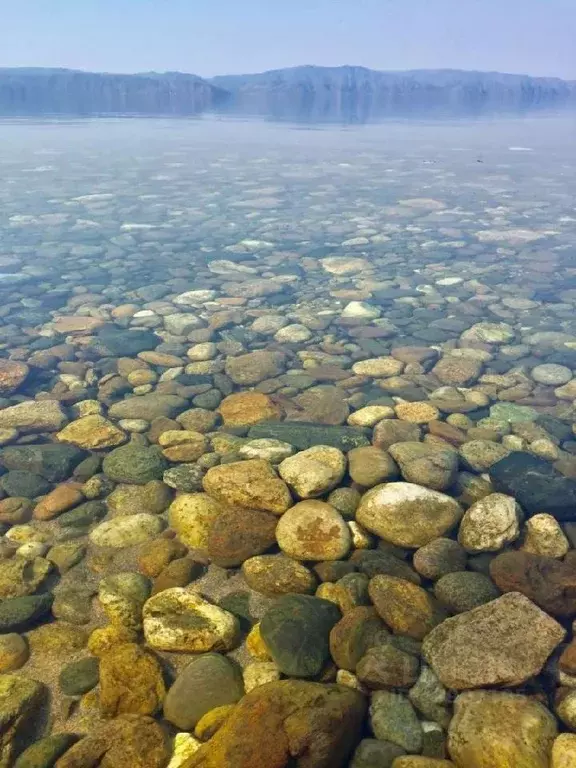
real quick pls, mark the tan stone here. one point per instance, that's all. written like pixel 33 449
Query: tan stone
pixel 500 730
pixel 246 408
pixel 417 413
pixel 92 433
pixel 252 484
pixel 191 515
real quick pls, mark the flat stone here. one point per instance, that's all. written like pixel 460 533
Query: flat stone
pixel 274 575
pixel 248 408
pixel 303 436
pixel 134 464
pixel 148 407
pixel 254 367
pixel 92 433
pixel 177 619
pixel 19 613
pixel 502 643
pixel 33 416
pixel 53 462
pixel 252 484
pixel 128 531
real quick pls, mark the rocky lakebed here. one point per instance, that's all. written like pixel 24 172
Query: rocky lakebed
pixel 287 447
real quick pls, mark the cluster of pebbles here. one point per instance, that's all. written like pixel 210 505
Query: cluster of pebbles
pixel 293 484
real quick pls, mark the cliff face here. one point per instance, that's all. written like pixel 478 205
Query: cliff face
pixel 359 94
pixel 309 94
pixel 67 92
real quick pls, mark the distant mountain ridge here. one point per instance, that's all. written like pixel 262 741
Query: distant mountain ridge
pixel 306 93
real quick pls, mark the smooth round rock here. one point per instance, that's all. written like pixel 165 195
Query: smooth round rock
pixel 210 681
pixel 406 514
pixel 551 375
pixel 313 530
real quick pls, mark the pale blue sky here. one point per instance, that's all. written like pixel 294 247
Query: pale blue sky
pixel 212 37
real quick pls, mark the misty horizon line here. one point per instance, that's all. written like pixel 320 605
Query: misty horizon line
pixel 208 78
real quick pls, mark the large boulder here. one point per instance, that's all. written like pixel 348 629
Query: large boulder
pixel 253 484
pixel 548 582
pixel 406 514
pixel 500 730
pixel 502 643
pixel 536 485
pixel 20 701
pixel 129 740
pixel 289 723
pixel 33 416
pixel 53 462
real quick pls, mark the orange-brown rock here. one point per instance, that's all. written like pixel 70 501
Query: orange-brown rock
pixel 246 408
pixel 12 375
pixel 289 723
pixel 62 498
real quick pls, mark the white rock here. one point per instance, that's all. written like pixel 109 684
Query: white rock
pixel 378 367
pixel 259 673
pixel 360 310
pixel 266 448
pixel 343 265
pixel 490 524
pixel 293 334
pixel 194 298
pixel 370 415
pixel 127 531
pixel 205 351
pixel 544 536
pixel 407 514
pixel 269 324
pixel 314 471
pixel 178 619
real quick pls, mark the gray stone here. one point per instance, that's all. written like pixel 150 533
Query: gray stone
pixel 135 464
pixel 296 631
pixel 53 462
pixel 392 718
pixel 303 436
pixel 79 677
pixel 210 681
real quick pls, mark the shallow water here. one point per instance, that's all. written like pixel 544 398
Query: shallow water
pixel 406 286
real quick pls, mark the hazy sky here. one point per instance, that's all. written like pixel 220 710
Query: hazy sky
pixel 212 37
